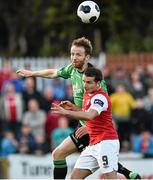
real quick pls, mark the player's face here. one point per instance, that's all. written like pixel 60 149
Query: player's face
pixel 90 85
pixel 78 56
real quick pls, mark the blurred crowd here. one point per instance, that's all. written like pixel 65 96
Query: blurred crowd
pixel 28 126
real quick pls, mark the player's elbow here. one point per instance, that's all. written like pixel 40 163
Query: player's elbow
pixel 52 73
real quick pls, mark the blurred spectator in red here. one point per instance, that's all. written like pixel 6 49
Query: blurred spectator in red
pixel 11 108
pixel 30 92
pixel 5 73
pixel 26 140
pixel 35 118
pixel 9 144
pixel 51 122
pixel 143 143
pixel 61 132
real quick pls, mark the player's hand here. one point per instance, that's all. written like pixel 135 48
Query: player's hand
pixel 58 109
pixel 81 132
pixel 67 105
pixel 24 73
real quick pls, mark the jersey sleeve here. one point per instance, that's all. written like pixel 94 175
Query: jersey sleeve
pixel 99 103
pixel 65 72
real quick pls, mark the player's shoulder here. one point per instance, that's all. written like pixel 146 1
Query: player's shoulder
pixel 101 95
pixel 70 67
pixel 99 99
pixel 67 68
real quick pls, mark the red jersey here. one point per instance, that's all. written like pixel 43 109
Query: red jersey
pixel 101 127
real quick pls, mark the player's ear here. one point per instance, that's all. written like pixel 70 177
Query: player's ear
pixel 98 83
pixel 87 57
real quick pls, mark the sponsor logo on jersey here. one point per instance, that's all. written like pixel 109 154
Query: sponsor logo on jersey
pixel 99 102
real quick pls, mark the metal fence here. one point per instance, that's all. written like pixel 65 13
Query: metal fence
pixel 43 63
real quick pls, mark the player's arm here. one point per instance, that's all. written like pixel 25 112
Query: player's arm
pixel 89 115
pixel 47 73
pixel 69 106
pixel 99 103
pixel 86 116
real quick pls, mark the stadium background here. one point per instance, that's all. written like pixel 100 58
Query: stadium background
pixel 36 35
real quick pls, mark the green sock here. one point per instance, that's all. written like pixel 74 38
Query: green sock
pixel 60 169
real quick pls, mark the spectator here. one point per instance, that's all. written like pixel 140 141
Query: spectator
pixel 148 100
pixel 11 108
pixel 149 76
pixel 9 144
pixel 30 92
pixel 41 146
pixel 26 140
pixel 139 69
pixel 137 87
pixel 122 104
pixel 120 77
pixel 51 123
pixel 5 73
pixel 107 76
pixel 35 118
pixel 69 91
pixel 140 118
pixel 143 143
pixel 47 99
pixel 148 104
pixel 16 81
pixel 59 89
pixel 61 132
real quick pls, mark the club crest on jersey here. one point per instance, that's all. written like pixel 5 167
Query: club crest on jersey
pixel 99 102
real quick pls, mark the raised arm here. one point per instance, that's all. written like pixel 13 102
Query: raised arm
pixel 47 73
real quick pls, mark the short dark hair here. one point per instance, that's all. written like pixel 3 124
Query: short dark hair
pixel 94 72
pixel 84 42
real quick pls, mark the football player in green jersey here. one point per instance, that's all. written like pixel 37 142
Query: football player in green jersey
pixel 80 53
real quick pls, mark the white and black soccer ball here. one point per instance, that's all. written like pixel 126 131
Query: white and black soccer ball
pixel 88 11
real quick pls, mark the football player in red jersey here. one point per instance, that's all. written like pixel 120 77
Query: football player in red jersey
pixel 103 149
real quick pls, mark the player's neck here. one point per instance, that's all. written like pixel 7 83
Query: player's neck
pixel 97 90
pixel 82 69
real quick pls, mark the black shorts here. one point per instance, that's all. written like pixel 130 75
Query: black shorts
pixel 80 143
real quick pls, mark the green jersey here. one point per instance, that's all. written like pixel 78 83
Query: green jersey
pixel 69 72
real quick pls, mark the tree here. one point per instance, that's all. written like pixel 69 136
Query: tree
pixel 46 28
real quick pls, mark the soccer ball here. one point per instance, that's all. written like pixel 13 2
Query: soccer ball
pixel 88 11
